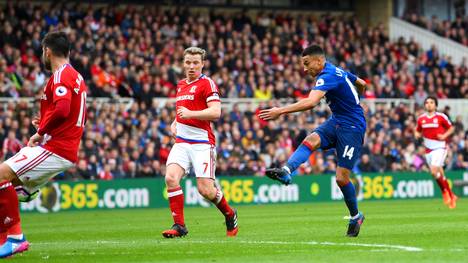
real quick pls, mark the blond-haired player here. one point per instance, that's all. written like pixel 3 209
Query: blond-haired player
pixel 198 104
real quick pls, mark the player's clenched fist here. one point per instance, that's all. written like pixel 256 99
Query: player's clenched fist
pixel 184 113
pixel 35 140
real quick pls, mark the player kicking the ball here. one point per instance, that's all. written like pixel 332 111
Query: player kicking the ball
pixel 53 149
pixel 198 104
pixel 343 131
pixel 435 128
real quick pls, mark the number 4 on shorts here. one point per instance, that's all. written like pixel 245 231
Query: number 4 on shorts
pixel 348 152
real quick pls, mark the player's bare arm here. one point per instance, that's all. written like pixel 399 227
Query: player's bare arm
pixel 445 135
pixel 360 84
pixel 174 128
pixel 35 122
pixel 305 104
pixel 212 113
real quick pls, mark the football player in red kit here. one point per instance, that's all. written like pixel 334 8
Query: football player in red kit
pixel 198 104
pixel 435 128
pixel 54 147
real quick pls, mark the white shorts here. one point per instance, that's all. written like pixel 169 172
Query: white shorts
pixel 200 157
pixel 436 157
pixel 34 166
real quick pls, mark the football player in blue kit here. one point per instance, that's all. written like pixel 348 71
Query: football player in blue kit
pixel 344 130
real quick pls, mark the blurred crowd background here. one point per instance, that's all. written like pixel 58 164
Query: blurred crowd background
pixel 136 52
pixel 456 30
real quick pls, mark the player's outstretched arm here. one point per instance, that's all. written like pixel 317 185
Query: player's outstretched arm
pixel 305 104
pixel 212 113
pixel 360 85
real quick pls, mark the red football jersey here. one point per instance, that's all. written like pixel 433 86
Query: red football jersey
pixel 65 84
pixel 195 96
pixel 431 126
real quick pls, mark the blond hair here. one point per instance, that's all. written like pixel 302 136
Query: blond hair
pixel 195 51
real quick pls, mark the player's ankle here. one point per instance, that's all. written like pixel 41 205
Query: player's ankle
pixel 17 236
pixel 287 169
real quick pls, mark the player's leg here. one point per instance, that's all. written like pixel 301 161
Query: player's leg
pixel 33 167
pixel 348 149
pixel 204 164
pixel 177 164
pixel 13 240
pixel 323 137
pixel 435 160
pixel 453 198
pixel 9 210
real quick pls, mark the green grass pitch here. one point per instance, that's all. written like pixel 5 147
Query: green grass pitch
pixel 394 231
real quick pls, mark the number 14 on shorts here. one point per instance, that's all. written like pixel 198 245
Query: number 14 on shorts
pixel 348 152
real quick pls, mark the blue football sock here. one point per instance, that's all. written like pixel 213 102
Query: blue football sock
pixel 349 194
pixel 301 155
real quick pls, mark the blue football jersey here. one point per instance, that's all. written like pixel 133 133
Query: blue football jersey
pixel 341 96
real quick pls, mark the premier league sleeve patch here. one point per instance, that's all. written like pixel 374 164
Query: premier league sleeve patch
pixel 319 83
pixel 61 91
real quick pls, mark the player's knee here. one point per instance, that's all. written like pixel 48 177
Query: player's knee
pixel 342 181
pixel 313 140
pixel 171 180
pixel 342 177
pixel 173 175
pixel 6 174
pixel 435 171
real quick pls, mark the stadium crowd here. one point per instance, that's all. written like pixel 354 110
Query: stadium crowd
pixel 134 140
pixel 137 52
pixel 456 30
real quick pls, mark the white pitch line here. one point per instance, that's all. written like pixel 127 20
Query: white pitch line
pixel 313 243
pixel 255 242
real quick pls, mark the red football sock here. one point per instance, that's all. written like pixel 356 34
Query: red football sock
pixel 443 184
pixel 222 204
pixel 176 204
pixel 15 229
pixel 9 210
pixel 3 237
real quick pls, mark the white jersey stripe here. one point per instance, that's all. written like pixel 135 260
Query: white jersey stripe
pixel 58 73
pixel 214 97
pixel 212 84
pixel 444 116
pixel 353 90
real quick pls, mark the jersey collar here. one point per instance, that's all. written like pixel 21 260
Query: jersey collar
pixel 195 80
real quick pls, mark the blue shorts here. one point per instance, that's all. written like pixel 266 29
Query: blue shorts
pixel 347 141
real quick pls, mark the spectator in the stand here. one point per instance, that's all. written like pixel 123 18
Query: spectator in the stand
pixel 130 52
pixel 456 30
pixel 118 144
pixel 365 165
pixel 11 145
pixel 134 53
pixel 106 173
